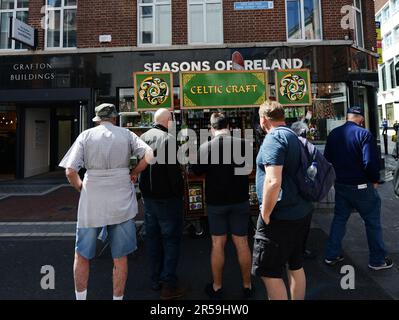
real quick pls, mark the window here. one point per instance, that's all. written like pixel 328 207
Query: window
pixel 387 41
pixel 205 21
pixel 61 23
pixel 378 18
pixel 12 9
pixel 392 75
pixel 155 22
pixel 304 20
pixel 383 78
pixel 359 37
pixel 385 14
pixel 396 34
pixel 395 5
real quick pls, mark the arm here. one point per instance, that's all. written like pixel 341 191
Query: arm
pixel 271 190
pixel 370 159
pixel 202 165
pixel 142 165
pixel 142 151
pixel 74 179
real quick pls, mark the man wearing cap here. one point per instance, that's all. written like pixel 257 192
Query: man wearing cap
pixel 353 152
pixel 107 201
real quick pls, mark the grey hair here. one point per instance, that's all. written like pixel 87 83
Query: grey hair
pixel 299 128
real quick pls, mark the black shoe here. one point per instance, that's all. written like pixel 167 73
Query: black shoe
pixel 308 254
pixel 247 293
pixel 171 293
pixel 212 294
pixel 333 262
pixel 386 265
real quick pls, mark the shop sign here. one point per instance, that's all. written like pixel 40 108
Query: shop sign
pixel 22 32
pixel 32 72
pixel 226 89
pixel 254 5
pixel 153 91
pixel 221 65
pixel 293 87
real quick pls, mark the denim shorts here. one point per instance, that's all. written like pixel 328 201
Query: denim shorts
pixel 121 237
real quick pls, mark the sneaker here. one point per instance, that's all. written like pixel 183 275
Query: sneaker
pixel 169 293
pixel 333 262
pixel 212 294
pixel 247 293
pixel 386 265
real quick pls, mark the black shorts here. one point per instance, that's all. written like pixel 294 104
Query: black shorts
pixel 278 244
pixel 233 218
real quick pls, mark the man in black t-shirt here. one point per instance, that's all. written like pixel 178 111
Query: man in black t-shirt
pixel 227 194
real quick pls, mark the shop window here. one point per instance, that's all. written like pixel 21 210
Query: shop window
pixel 390 113
pixel 61 24
pixel 154 22
pixel 205 21
pixel 18 9
pixel 327 112
pixel 304 20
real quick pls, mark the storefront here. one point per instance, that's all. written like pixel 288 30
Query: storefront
pixel 51 98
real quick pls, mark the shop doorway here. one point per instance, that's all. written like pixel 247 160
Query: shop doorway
pixel 8 142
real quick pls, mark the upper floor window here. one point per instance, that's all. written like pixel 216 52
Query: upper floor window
pixel 396 34
pixel 303 20
pixel 387 41
pixel 395 5
pixel 205 21
pixel 61 23
pixel 154 22
pixel 359 35
pixel 18 9
pixel 385 14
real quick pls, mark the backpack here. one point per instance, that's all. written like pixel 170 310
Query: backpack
pixel 317 189
pixel 396 181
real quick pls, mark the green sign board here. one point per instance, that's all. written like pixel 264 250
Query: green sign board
pixel 293 87
pixel 153 91
pixel 222 89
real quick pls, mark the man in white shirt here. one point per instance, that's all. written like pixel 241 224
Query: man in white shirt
pixel 107 201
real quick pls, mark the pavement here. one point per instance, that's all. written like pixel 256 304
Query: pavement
pixel 28 243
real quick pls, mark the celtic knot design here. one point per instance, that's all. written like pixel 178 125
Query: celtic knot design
pixel 293 87
pixel 154 91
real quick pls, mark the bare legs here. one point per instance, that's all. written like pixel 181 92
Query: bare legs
pixel 277 290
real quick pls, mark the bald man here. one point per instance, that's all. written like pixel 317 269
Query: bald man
pixel 161 185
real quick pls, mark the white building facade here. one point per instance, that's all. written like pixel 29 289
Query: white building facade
pixel 388 95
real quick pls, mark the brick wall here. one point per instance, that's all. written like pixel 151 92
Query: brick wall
pixel 254 26
pixel 35 18
pixel 97 17
pixel 179 22
pixel 370 32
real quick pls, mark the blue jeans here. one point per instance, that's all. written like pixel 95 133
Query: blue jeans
pixel 164 229
pixel 368 203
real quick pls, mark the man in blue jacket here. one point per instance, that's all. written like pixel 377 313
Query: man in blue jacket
pixel 353 152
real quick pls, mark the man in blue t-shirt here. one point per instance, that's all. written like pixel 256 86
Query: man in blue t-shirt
pixel 285 216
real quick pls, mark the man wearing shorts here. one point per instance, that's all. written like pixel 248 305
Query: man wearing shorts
pixel 227 199
pixel 284 219
pixel 107 201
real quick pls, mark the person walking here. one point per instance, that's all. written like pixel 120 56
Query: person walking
pixel 285 215
pixel 352 150
pixel 227 198
pixel 107 202
pixel 161 185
